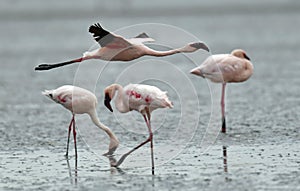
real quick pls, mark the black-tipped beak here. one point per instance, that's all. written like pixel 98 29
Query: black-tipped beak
pixel 245 55
pixel 200 45
pixel 107 102
pixel 196 71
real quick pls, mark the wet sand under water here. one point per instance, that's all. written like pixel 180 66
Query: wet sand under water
pixel 247 167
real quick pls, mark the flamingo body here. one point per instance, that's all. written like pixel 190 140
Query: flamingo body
pixel 75 99
pixel 139 97
pixel 222 68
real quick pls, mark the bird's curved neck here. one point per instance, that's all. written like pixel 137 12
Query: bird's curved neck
pixel 121 103
pixel 114 142
pixel 158 53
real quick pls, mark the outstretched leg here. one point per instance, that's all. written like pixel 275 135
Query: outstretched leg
pixel 69 132
pixel 137 147
pixel 74 135
pixel 50 66
pixel 223 108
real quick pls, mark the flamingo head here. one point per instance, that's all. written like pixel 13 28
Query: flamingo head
pixel 49 94
pixel 240 53
pixel 197 45
pixel 197 72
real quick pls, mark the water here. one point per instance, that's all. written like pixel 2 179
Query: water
pixel 262 114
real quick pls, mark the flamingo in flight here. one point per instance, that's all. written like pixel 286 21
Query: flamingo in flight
pixel 80 101
pixel 117 48
pixel 141 98
pixel 226 68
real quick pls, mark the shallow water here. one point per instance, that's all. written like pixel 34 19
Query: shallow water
pixel 262 142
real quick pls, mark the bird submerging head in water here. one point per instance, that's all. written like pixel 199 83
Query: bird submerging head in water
pixel 141 98
pixel 80 101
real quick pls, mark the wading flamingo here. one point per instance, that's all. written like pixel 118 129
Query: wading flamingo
pixel 80 101
pixel 225 68
pixel 117 48
pixel 139 97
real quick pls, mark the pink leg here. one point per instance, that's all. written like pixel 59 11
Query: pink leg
pixel 69 132
pixel 137 147
pixel 223 108
pixel 74 135
pixel 151 142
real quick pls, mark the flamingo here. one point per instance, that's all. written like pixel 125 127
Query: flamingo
pixel 117 48
pixel 141 98
pixel 226 68
pixel 80 101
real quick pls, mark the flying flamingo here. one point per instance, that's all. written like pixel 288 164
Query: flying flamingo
pixel 117 48
pixel 80 101
pixel 139 97
pixel 225 68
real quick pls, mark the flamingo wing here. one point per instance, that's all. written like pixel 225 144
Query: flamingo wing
pixel 231 65
pixel 140 39
pixel 107 39
pixel 141 96
pixel 222 67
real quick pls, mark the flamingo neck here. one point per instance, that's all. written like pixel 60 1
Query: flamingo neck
pixel 158 53
pixel 114 142
pixel 121 104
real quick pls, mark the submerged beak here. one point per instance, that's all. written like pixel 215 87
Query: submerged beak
pixel 107 102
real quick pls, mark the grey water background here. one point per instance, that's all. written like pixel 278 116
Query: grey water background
pixel 262 114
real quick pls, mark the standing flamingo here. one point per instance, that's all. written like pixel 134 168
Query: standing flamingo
pixel 80 101
pixel 139 97
pixel 117 48
pixel 225 68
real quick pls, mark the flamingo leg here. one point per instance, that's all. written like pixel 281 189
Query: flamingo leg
pixel 74 135
pixel 129 152
pixel 50 66
pixel 137 147
pixel 69 132
pixel 223 108
pixel 151 141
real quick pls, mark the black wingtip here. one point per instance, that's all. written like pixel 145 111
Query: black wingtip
pixel 95 27
pixel 102 36
pixel 200 45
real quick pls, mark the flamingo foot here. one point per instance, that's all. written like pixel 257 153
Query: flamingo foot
pixel 43 67
pixel 223 125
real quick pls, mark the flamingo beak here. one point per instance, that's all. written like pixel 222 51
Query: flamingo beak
pixel 196 71
pixel 200 45
pixel 107 102
pixel 245 55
